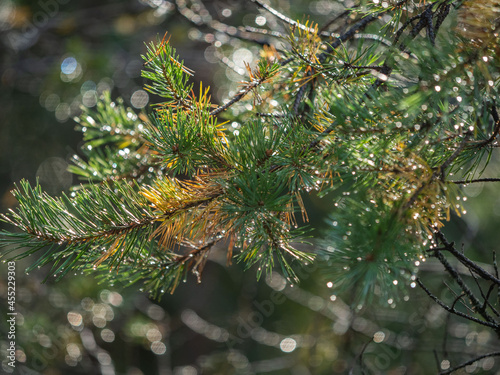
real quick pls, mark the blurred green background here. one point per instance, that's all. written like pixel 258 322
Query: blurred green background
pixel 58 55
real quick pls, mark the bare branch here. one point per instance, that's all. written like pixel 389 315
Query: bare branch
pixel 466 261
pixel 453 311
pixel 465 364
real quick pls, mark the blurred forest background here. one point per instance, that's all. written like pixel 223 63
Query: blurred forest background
pixel 59 55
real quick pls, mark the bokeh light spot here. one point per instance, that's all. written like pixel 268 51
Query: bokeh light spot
pixel 74 350
pixel 51 102
pixel 104 358
pixel 62 112
pixel 378 337
pixel 288 345
pixel 139 99
pixel 89 99
pixel 242 55
pixel 260 20
pixel 158 348
pixel 153 335
pixel 156 312
pixel 108 335
pixel 74 318
pixel 69 65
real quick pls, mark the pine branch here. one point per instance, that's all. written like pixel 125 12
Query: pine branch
pixel 454 274
pixel 169 77
pixel 283 18
pixel 370 128
pixel 114 144
pixel 95 218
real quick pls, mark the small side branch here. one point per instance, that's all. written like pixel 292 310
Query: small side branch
pixel 495 326
pixel 454 274
pixel 240 95
pixel 466 261
pixel 282 17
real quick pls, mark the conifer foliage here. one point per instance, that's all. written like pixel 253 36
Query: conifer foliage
pixel 383 113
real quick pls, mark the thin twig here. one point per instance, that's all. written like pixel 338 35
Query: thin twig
pixel 359 357
pixel 402 28
pixel 333 20
pixel 486 297
pixel 273 115
pixel 282 17
pixel 495 267
pixel 358 26
pixel 444 9
pixel 322 57
pixel 300 96
pixel 466 261
pixel 465 364
pixel 487 300
pixel 496 129
pixel 453 156
pixel 454 274
pixel 255 30
pixel 197 250
pixel 424 19
pixel 448 318
pixel 376 37
pixel 436 358
pixel 240 95
pixel 475 180
pixel 430 28
pixel 453 311
pixel 462 294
